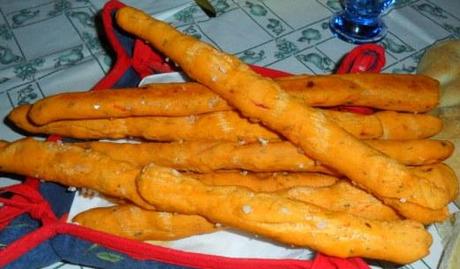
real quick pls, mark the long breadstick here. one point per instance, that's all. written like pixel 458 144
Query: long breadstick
pixel 390 92
pixel 226 125
pixel 343 197
pixel 382 91
pixel 260 98
pixel 71 166
pixel 133 222
pixel 203 156
pixel 285 220
pixel 265 182
pixel 414 152
pixel 337 197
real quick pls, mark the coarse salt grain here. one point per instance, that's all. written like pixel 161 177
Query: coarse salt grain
pixel 262 141
pixel 174 172
pixel 247 209
pixel 321 225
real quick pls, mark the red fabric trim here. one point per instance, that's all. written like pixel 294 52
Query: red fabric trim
pixel 146 61
pixel 324 261
pixel 268 72
pixel 144 251
pixel 122 62
pixel 8 213
pixel 24 244
pixel 27 199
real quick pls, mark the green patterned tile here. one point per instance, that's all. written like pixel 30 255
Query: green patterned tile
pixel 268 20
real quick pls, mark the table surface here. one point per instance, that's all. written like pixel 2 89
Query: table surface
pixel 48 46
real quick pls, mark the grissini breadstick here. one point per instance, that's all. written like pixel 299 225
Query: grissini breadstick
pixel 414 151
pixel 207 156
pixel 204 157
pixel 225 125
pixel 133 222
pixel 342 197
pixel 383 91
pixel 336 195
pixel 419 213
pixel 285 220
pixel 440 175
pixel 183 100
pixel 260 98
pixel 265 182
pixel 72 166
pixel 386 124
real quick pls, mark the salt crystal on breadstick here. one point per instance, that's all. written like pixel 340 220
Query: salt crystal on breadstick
pixel 261 98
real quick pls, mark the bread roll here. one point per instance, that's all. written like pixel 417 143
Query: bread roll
pixel 442 62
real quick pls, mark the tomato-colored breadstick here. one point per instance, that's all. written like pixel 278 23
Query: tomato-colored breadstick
pixel 343 197
pixel 226 125
pixel 285 220
pixel 260 98
pixel 133 222
pixel 71 166
pixel 265 182
pixel 399 92
pixel 324 191
pixel 320 190
pixel 206 156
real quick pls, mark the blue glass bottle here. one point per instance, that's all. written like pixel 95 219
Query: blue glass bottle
pixel 360 21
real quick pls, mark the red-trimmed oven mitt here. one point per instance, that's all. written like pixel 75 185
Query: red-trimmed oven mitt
pixel 33 228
